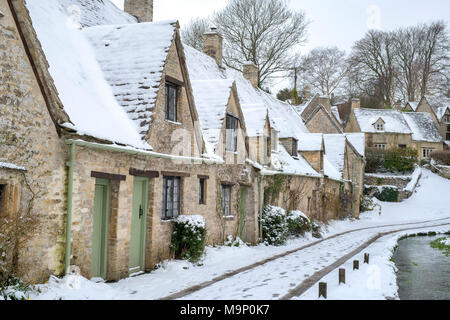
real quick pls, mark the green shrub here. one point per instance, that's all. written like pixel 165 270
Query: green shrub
pixel 442 244
pixel 374 159
pixel 366 204
pixel 400 159
pixel 387 194
pixel 188 238
pixel 274 226
pixel 12 288
pixel 298 224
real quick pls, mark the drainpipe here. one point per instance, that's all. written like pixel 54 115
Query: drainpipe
pixel 71 165
pixel 261 203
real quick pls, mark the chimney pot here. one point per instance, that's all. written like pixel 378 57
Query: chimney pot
pixel 356 104
pixel 141 9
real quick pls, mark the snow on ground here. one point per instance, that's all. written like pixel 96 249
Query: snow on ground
pixel 274 279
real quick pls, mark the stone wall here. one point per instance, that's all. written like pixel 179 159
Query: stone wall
pixel 321 123
pixel 28 138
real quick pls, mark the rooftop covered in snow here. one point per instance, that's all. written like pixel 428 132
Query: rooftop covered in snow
pixel 423 127
pixel 394 122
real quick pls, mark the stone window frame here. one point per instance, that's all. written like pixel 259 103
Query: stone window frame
pixel 380 146
pixel 171 116
pixel 176 180
pixel 9 198
pixel 294 148
pixel 226 210
pixel 231 132
pixel 446 118
pixel 379 127
pixel 202 190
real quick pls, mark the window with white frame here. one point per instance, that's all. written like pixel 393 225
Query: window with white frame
pixel 426 152
pixel 226 200
pixel 379 127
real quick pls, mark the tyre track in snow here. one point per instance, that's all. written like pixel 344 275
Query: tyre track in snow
pixel 311 281
pixel 196 288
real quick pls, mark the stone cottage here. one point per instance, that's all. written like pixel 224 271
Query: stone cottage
pixel 110 128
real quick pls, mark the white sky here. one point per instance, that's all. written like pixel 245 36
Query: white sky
pixel 333 22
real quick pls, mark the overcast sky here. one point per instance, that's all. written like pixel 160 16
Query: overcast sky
pixel 333 22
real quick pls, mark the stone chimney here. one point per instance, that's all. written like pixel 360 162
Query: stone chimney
pixel 213 45
pixel 307 93
pixel 356 104
pixel 141 9
pixel 251 73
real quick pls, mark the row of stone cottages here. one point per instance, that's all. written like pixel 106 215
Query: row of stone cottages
pixel 110 129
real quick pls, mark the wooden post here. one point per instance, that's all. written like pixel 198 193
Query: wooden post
pixel 366 258
pixel 341 276
pixel 355 264
pixel 323 289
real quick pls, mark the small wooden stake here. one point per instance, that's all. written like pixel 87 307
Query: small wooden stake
pixel 341 276
pixel 366 258
pixel 355 264
pixel 323 289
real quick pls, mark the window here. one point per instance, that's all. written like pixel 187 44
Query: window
pixel 447 119
pixel 294 147
pixel 402 146
pixel 379 127
pixel 380 145
pixel 274 142
pixel 426 152
pixel 2 199
pixel 231 133
pixel 226 200
pixel 202 191
pixel 447 136
pixel 171 101
pixel 171 197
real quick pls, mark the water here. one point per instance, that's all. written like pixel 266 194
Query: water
pixel 423 272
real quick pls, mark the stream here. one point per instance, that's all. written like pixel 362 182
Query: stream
pixel 423 272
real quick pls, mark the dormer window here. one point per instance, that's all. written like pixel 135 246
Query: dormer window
pixel 294 147
pixel 447 118
pixel 232 125
pixel 171 101
pixel 379 127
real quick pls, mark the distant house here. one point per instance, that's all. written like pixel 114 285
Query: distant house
pixel 439 111
pixel 386 129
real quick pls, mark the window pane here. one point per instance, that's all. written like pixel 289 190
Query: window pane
pixel 171 103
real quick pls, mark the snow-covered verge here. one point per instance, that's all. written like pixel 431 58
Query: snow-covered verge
pixel 374 281
pixel 427 203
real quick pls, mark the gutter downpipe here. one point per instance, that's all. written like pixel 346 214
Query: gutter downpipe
pixel 71 165
pixel 261 203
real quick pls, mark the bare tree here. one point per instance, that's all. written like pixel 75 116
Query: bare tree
pixel 264 32
pixel 324 69
pixel 192 34
pixel 373 59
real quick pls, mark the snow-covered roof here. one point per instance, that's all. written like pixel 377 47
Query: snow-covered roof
pixel 211 100
pixel 283 161
pixel 255 118
pixel 329 170
pixel 83 90
pixel 7 165
pixel 414 105
pixel 132 59
pixel 335 111
pixel 422 126
pixel 393 119
pixel 358 141
pixel 335 150
pixel 282 115
pixel 310 142
pixel 439 105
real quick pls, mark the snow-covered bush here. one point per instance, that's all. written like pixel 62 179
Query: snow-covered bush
pixel 298 223
pixel 234 243
pixel 13 288
pixel 274 225
pixel 188 237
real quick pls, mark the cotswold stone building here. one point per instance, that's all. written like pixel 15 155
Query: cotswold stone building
pixel 110 128
pixel 386 129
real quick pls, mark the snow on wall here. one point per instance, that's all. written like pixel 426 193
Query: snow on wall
pixel 132 59
pixel 7 165
pixel 87 97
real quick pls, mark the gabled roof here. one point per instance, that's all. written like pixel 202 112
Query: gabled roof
pixel 393 119
pixel 423 127
pixel 439 105
pixel 211 100
pixel 310 142
pixel 282 116
pixel 331 117
pixel 132 59
pixel 335 150
pixel 283 161
pixel 414 105
pixel 82 88
pixel 358 141
pixel 335 111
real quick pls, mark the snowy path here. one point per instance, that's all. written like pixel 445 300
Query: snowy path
pixel 266 272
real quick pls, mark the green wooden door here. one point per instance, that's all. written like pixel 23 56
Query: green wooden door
pixel 100 234
pixel 138 225
pixel 242 203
